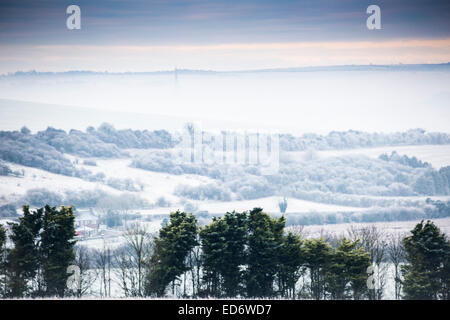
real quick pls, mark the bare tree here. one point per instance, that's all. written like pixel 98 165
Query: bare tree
pixel 329 237
pixel 299 230
pixel 87 274
pixel 396 253
pixel 122 203
pixel 103 265
pixel 374 242
pixel 132 259
pixel 194 263
pixel 123 269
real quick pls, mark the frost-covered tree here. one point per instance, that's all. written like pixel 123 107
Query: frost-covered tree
pixel 282 204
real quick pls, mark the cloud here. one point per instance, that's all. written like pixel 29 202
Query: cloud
pixel 219 21
pixel 141 35
pixel 228 56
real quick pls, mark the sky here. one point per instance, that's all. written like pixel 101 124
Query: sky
pixel 151 35
pixel 229 35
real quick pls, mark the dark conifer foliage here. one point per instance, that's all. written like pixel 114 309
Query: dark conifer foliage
pixel 427 274
pixel 42 251
pixel 56 248
pixel 171 248
pixel 241 254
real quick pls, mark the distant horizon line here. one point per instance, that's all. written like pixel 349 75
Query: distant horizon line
pixel 344 67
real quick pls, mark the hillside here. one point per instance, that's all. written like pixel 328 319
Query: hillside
pixel 330 178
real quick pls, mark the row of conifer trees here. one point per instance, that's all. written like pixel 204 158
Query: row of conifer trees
pixel 241 254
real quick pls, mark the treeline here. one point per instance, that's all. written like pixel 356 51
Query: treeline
pixel 99 199
pixel 124 203
pixel 326 180
pixel 412 162
pixel 246 254
pixel 434 182
pixel 249 254
pixel 433 210
pixel 127 138
pixel 45 149
pixel 78 143
pixel 25 149
pixel 170 161
pixel 37 150
pixel 352 139
pixel 96 198
pixel 360 175
pixel 211 191
pixel 28 150
pixel 335 180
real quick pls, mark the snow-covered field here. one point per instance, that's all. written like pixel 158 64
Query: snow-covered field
pixel 156 184
pixel 13 188
pixel 270 205
pixel 437 155
pixel 401 227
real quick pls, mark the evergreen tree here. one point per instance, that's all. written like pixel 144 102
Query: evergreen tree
pixel 171 248
pixel 358 264
pixel 427 274
pixel 223 246
pixel 2 239
pixel 264 243
pixel 23 259
pixel 57 248
pixel 213 251
pixel 2 261
pixel 346 273
pixel 317 259
pixel 235 255
pixel 291 259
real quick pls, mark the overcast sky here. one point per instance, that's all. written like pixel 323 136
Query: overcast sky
pixel 149 35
